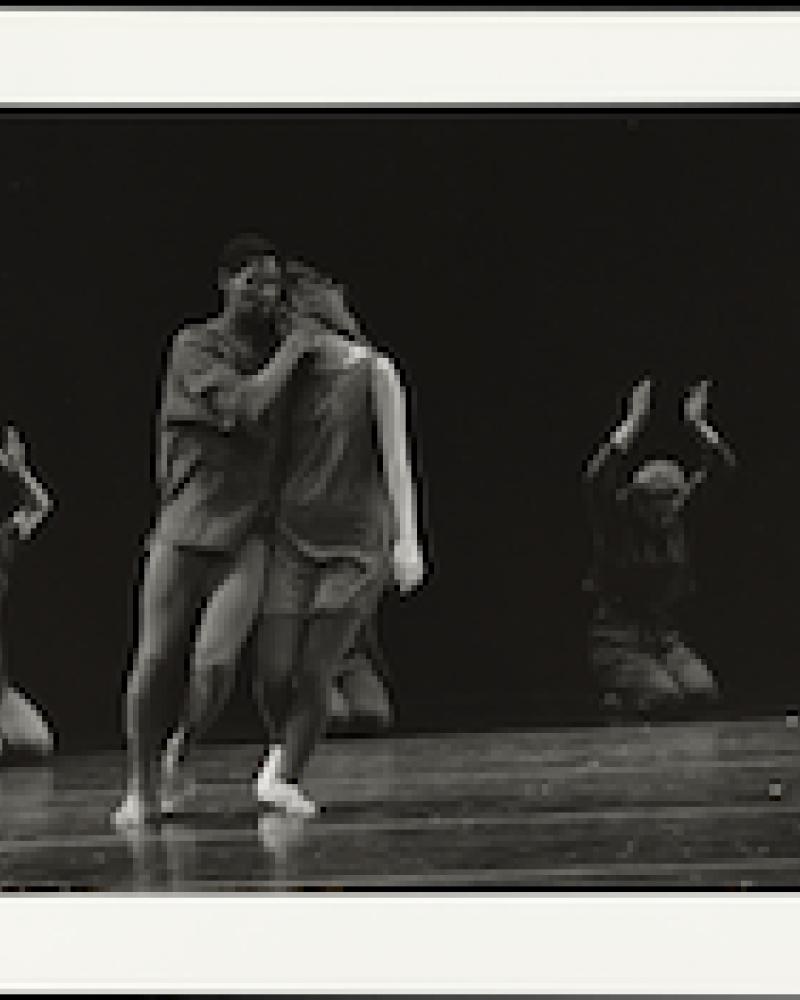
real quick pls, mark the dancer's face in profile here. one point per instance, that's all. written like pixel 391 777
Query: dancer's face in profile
pixel 326 302
pixel 338 305
pixel 255 289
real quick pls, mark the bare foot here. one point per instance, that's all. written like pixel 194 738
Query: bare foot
pixel 178 789
pixel 135 810
pixel 286 798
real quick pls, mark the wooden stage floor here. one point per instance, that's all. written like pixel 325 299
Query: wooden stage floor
pixel 689 806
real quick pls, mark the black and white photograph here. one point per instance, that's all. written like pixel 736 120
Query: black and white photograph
pixel 399 498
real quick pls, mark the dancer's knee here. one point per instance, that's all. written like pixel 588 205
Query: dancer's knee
pixel 41 744
pixel 23 730
pixel 700 685
pixel 373 710
pixel 645 692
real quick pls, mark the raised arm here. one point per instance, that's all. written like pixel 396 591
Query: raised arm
pixel 604 471
pixel 37 503
pixel 716 455
pixel 390 406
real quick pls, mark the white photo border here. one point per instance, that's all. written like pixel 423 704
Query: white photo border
pixel 328 942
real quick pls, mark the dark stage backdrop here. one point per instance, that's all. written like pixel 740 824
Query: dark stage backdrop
pixel 523 268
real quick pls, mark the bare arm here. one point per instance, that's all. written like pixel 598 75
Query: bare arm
pixel 391 413
pixel 37 504
pixel 716 454
pixel 30 516
pixel 603 474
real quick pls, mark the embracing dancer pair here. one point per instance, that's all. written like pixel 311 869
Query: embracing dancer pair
pixel 288 505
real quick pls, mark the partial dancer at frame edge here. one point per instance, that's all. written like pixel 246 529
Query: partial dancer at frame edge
pixel 23 731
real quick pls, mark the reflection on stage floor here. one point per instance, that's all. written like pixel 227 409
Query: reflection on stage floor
pixel 681 806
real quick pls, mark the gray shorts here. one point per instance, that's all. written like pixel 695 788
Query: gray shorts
pixel 300 585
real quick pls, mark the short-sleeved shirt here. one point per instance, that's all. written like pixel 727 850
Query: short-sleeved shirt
pixel 214 461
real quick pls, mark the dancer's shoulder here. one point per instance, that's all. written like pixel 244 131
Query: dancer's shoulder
pixel 203 334
pixel 387 370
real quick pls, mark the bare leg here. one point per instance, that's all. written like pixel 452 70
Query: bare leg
pixel 279 641
pixel 287 594
pixel 699 691
pixel 365 693
pixel 176 582
pixel 361 699
pixel 328 638
pixel 309 649
pixel 224 629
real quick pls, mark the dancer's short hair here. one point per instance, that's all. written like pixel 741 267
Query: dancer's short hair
pixel 660 475
pixel 243 250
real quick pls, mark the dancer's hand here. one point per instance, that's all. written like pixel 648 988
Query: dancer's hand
pixel 407 564
pixel 328 303
pixel 342 350
pixel 12 454
pixel 696 403
pixel 307 335
pixel 639 404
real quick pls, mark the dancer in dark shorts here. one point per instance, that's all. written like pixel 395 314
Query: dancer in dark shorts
pixel 23 731
pixel 641 570
pixel 345 530
pixel 205 566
